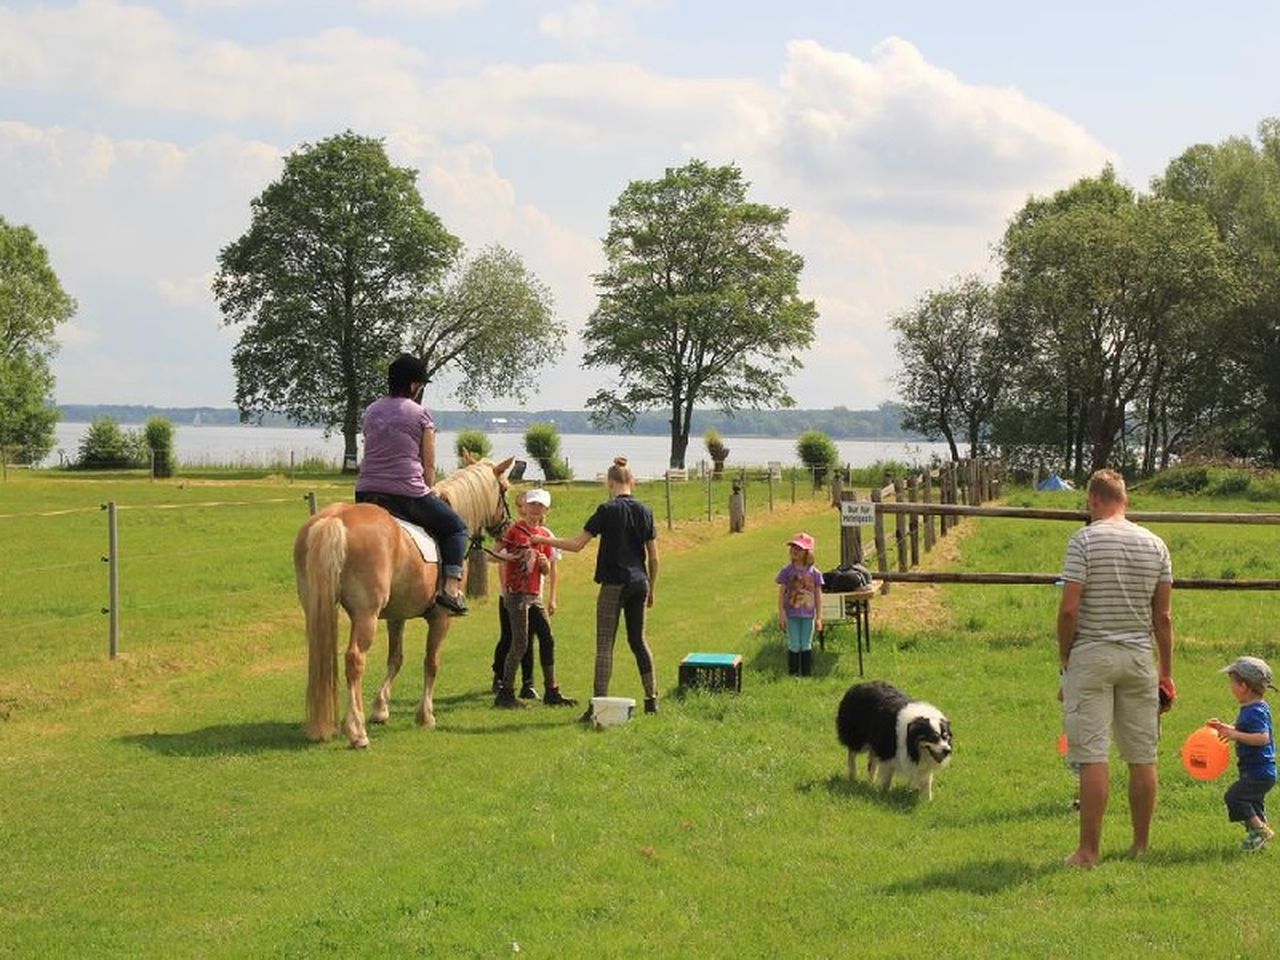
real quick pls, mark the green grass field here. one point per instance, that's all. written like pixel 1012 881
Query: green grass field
pixel 167 803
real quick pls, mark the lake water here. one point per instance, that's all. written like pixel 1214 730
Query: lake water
pixel 587 454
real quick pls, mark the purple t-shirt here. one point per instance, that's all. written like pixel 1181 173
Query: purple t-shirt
pixel 801 590
pixel 393 428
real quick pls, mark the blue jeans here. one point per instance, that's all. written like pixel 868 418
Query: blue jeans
pixel 799 634
pixel 433 515
pixel 1247 798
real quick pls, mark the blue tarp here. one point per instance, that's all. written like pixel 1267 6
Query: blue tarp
pixel 1054 482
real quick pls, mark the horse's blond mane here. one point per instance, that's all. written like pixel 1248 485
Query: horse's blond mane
pixel 472 492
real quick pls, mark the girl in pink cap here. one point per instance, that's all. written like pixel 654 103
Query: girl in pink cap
pixel 800 604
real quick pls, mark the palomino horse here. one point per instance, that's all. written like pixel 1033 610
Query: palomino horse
pixel 354 555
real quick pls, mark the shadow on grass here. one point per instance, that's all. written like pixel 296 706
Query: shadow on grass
pixel 553 718
pixel 897 797
pixel 1044 810
pixel 224 739
pixel 771 658
pixel 982 877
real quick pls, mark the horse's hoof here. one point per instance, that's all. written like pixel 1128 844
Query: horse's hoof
pixel 380 720
pixel 361 744
pixel 428 723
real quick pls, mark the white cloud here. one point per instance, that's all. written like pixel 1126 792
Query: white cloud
pixel 75 335
pixel 586 23
pixel 420 8
pixel 899 174
pixel 134 57
pixel 899 137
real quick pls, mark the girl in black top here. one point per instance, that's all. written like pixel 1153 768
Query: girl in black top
pixel 627 570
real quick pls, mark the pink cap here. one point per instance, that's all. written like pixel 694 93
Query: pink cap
pixel 802 540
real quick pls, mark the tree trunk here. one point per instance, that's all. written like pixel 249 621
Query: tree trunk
pixel 350 430
pixel 679 437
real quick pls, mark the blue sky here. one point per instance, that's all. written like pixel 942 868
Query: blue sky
pixel 901 136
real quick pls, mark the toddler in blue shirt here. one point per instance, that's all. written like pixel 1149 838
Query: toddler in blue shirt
pixel 1255 749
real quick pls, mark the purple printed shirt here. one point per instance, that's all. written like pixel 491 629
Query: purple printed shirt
pixel 801 590
pixel 393 428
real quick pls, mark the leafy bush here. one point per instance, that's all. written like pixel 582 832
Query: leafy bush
pixel 1211 481
pixel 542 442
pixel 818 452
pixel 1229 483
pixel 474 441
pixel 106 445
pixel 882 472
pixel 1180 480
pixel 716 449
pixel 157 434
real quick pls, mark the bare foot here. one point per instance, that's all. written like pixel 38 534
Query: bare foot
pixel 1137 852
pixel 1081 861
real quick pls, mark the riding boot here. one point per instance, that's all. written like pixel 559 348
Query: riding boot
pixel 793 663
pixel 506 700
pixel 806 663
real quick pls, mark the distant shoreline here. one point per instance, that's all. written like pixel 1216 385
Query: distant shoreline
pixel 880 424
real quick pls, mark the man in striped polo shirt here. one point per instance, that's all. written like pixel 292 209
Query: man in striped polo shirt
pixel 1114 626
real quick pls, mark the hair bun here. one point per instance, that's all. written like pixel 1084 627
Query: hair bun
pixel 620 461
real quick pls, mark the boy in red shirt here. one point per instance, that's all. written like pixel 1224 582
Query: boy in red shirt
pixel 524 565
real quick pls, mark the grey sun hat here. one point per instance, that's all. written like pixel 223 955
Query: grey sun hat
pixel 1251 670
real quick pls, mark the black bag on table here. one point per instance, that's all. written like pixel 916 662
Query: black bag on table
pixel 846 578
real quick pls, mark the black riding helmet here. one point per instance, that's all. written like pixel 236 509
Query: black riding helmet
pixel 405 369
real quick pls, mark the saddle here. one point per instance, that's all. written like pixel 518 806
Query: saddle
pixel 421 539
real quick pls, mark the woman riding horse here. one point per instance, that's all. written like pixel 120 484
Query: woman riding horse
pixel 399 470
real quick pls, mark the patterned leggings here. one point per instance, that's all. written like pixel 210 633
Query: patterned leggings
pixel 629 601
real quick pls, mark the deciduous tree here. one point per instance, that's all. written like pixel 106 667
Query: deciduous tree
pixel 32 304
pixel 698 301
pixel 340 259
pixel 1102 285
pixel 1237 183
pixel 493 325
pixel 952 371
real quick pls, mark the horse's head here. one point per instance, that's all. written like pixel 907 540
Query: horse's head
pixel 478 492
pixel 502 517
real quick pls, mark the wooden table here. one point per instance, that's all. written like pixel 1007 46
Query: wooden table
pixel 853 606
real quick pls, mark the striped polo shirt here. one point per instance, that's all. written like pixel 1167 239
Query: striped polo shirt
pixel 1120 564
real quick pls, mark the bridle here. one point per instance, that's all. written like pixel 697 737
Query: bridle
pixel 496 529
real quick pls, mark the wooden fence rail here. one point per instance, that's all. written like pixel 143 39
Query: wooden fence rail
pixel 949 576
pixel 956 486
pixel 911 503
pixel 1039 513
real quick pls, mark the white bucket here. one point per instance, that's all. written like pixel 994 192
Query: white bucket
pixel 611 711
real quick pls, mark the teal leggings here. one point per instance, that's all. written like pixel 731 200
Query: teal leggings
pixel 799 634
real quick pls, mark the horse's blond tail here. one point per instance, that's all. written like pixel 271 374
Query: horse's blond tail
pixel 318 574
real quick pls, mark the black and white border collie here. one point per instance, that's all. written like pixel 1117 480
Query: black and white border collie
pixel 899 735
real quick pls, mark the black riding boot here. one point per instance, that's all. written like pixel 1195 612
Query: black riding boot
pixel 793 663
pixel 806 663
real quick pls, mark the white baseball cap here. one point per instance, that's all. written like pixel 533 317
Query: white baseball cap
pixel 538 495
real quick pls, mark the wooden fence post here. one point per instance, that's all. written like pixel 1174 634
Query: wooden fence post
pixel 913 527
pixel 669 524
pixel 112 560
pixel 950 493
pixel 850 537
pixel 737 509
pixel 477 570
pixel 900 526
pixel 882 559
pixel 929 536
